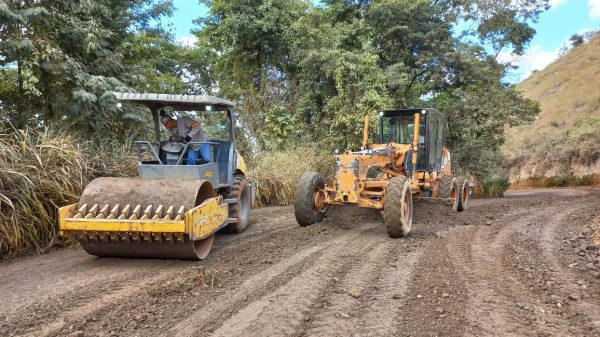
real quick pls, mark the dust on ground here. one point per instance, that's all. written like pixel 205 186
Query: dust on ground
pixel 523 265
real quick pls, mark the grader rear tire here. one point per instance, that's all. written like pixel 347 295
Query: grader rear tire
pixel 240 191
pixel 305 210
pixel 398 209
pixel 463 190
pixel 455 195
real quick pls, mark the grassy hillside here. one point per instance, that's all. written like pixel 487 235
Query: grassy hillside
pixel 565 140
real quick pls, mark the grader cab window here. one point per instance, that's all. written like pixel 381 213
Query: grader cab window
pixel 436 128
pixel 400 129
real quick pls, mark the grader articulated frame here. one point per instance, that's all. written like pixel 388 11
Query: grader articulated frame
pixel 410 160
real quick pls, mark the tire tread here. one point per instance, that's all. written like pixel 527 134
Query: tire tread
pixel 239 183
pixel 303 199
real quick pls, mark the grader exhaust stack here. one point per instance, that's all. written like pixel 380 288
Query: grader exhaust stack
pixel 171 210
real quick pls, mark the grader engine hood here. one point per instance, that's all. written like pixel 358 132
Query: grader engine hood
pixel 351 170
pixel 346 177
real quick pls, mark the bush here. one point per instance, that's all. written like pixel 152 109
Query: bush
pixel 41 170
pixel 276 174
pixel 495 187
pixel 570 180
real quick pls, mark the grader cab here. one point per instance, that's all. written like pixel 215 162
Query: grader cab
pixel 409 161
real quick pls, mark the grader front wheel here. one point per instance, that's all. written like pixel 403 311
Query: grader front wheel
pixel 309 199
pixel 398 210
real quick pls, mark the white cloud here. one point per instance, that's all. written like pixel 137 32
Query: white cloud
pixel 594 9
pixel 534 59
pixel 188 40
pixel 556 3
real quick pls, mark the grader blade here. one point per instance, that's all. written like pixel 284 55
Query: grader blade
pixel 147 218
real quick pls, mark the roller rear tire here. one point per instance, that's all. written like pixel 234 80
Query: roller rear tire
pixel 241 192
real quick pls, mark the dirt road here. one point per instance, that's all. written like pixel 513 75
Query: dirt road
pixel 523 265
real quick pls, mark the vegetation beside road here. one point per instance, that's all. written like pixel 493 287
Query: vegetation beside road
pixel 43 169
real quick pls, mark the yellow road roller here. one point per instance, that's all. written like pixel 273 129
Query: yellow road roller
pixel 174 208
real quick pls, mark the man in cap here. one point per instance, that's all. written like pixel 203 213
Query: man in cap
pixel 185 130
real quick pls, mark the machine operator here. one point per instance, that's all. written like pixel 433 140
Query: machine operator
pixel 184 129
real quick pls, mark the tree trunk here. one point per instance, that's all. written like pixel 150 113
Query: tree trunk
pixel 44 78
pixel 21 119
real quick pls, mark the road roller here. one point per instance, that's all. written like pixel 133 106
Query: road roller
pixel 172 209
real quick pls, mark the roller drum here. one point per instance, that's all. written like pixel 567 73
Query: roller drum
pixel 155 197
pixel 185 249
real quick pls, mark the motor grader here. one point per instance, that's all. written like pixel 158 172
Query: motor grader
pixel 171 210
pixel 410 160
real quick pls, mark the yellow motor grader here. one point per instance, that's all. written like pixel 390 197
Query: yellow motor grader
pixel 171 210
pixel 410 160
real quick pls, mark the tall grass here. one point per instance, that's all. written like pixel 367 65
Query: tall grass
pixel 41 170
pixel 276 174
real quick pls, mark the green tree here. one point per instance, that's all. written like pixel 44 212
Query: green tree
pixel 339 78
pixel 69 55
pixel 413 39
pixel 503 23
pixel 248 46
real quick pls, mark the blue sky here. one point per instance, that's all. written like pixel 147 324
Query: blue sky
pixel 565 18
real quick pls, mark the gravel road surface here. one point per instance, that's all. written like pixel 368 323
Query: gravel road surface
pixel 527 264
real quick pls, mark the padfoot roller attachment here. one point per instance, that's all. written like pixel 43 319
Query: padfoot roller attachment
pixel 107 223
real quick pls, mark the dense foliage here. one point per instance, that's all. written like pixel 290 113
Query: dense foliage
pixel 301 73
pixel 307 74
pixel 60 59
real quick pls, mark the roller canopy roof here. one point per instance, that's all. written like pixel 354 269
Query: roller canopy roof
pixel 405 112
pixel 181 102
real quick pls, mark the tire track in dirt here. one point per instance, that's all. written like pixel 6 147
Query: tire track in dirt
pixel 500 301
pixel 79 288
pixel 273 225
pixel 564 280
pixel 226 244
pixel 380 312
pixel 337 307
pixel 366 302
pixel 532 256
pixel 479 255
pixel 289 305
pixel 74 314
pixel 222 309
